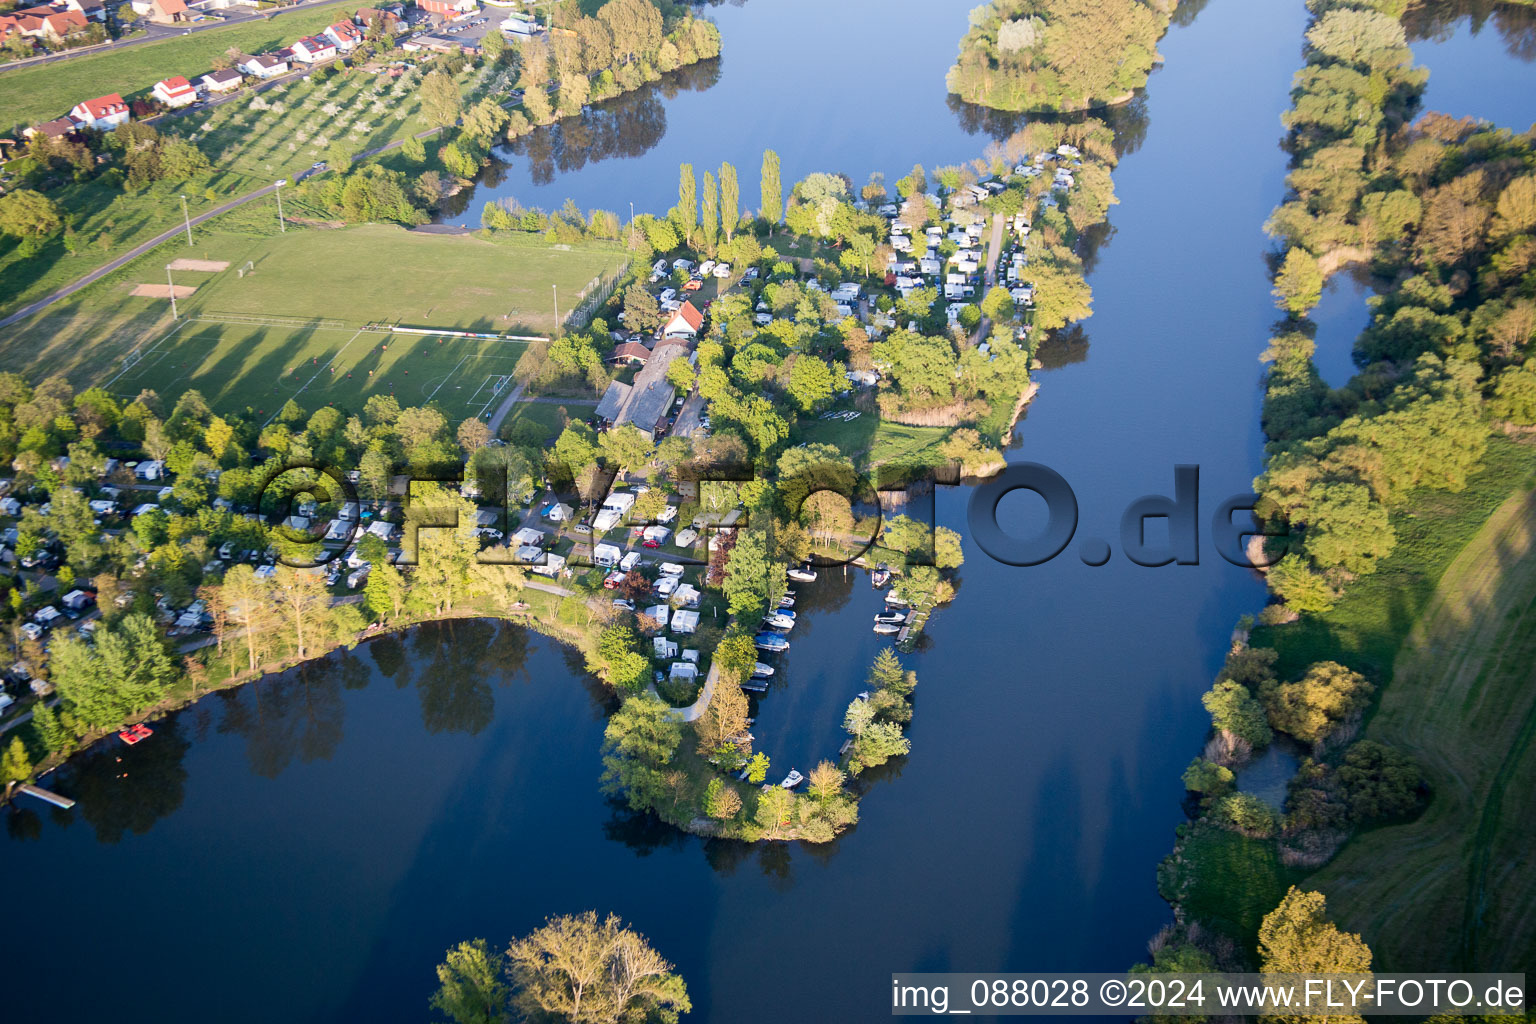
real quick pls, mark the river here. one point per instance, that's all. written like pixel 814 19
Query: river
pixel 304 849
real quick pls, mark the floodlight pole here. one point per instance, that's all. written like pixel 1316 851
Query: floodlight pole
pixel 281 226
pixel 188 218
pixel 171 287
pixel 556 289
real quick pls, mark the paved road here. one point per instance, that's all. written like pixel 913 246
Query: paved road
pixel 989 277
pixel 159 33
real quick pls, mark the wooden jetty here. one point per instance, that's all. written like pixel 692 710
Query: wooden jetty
pixel 47 796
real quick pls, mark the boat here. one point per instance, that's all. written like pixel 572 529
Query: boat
pixel 755 685
pixel 770 642
pixel 778 620
pixel 802 575
pixel 895 600
pixel 761 671
pixel 895 615
pixel 788 600
pixel 880 577
pixel 136 734
pixel 792 780
pixel 887 628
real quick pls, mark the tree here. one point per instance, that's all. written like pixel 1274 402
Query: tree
pixel 772 189
pixel 724 717
pixel 1299 284
pixel 15 763
pixel 757 768
pixel 439 99
pixel 1208 779
pixel 485 120
pixel 775 810
pixel 582 969
pixel 301 596
pixel 877 744
pixel 1315 705
pixel 470 989
pixel 826 781
pixel 730 200
pixel 638 743
pixel 28 214
pixel 811 381
pixel 577 446
pixel 1061 295
pixel 1234 710
pixel 721 801
pixel 494 46
pixel 997 304
pixel 1297 938
pixel 1379 781
pixel 687 201
pixel 384 591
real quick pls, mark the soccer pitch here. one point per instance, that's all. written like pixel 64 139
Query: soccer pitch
pixel 318 316
pixel 318 364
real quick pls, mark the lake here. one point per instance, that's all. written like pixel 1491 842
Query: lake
pixel 304 849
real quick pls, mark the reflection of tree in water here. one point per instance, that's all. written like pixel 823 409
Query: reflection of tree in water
pixel 1515 24
pixel 626 126
pixel 389 657
pixel 23 823
pixel 297 713
pixel 458 659
pixel 641 831
pixel 1130 121
pixel 1062 348
pixel 124 789
pixel 829 593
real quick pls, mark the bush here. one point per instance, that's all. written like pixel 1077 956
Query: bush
pixel 1245 813
pixel 1380 781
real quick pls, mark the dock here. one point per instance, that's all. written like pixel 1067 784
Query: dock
pixel 755 685
pixel 47 796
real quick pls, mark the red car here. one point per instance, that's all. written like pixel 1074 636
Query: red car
pixel 651 544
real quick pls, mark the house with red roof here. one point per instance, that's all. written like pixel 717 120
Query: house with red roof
pixel 45 24
pixel 102 113
pixel 449 8
pixel 391 19
pixel 685 322
pixel 344 34
pixel 313 49
pixel 175 91
pixel 162 12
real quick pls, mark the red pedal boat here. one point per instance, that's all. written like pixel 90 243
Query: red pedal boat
pixel 136 733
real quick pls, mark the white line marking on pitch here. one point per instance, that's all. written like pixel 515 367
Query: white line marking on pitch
pixel 318 372
pixel 446 379
pixel 154 345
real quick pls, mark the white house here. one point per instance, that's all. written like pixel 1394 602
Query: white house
pixel 175 91
pixel 344 35
pixel 684 323
pixel 102 113
pixel 219 82
pixel 263 65
pixel 313 49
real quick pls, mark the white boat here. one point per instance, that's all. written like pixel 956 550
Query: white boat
pixel 777 621
pixel 761 671
pixel 792 780
pixel 879 578
pixel 887 628
pixel 787 601
pixel 895 600
pixel 802 575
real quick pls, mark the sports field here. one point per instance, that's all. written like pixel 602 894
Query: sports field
pixel 316 364
pixel 312 318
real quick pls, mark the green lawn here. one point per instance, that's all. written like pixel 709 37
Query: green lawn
pixel 345 278
pixel 1453 888
pixel 542 418
pixel 39 93
pixel 1224 880
pixel 1367 627
pixel 886 443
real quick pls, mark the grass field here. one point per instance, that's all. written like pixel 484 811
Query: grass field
pixel 292 327
pixel 885 442
pixel 1456 888
pixel 1366 628
pixel 38 93
pixel 261 366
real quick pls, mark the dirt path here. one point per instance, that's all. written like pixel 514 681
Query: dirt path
pixel 1457 886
